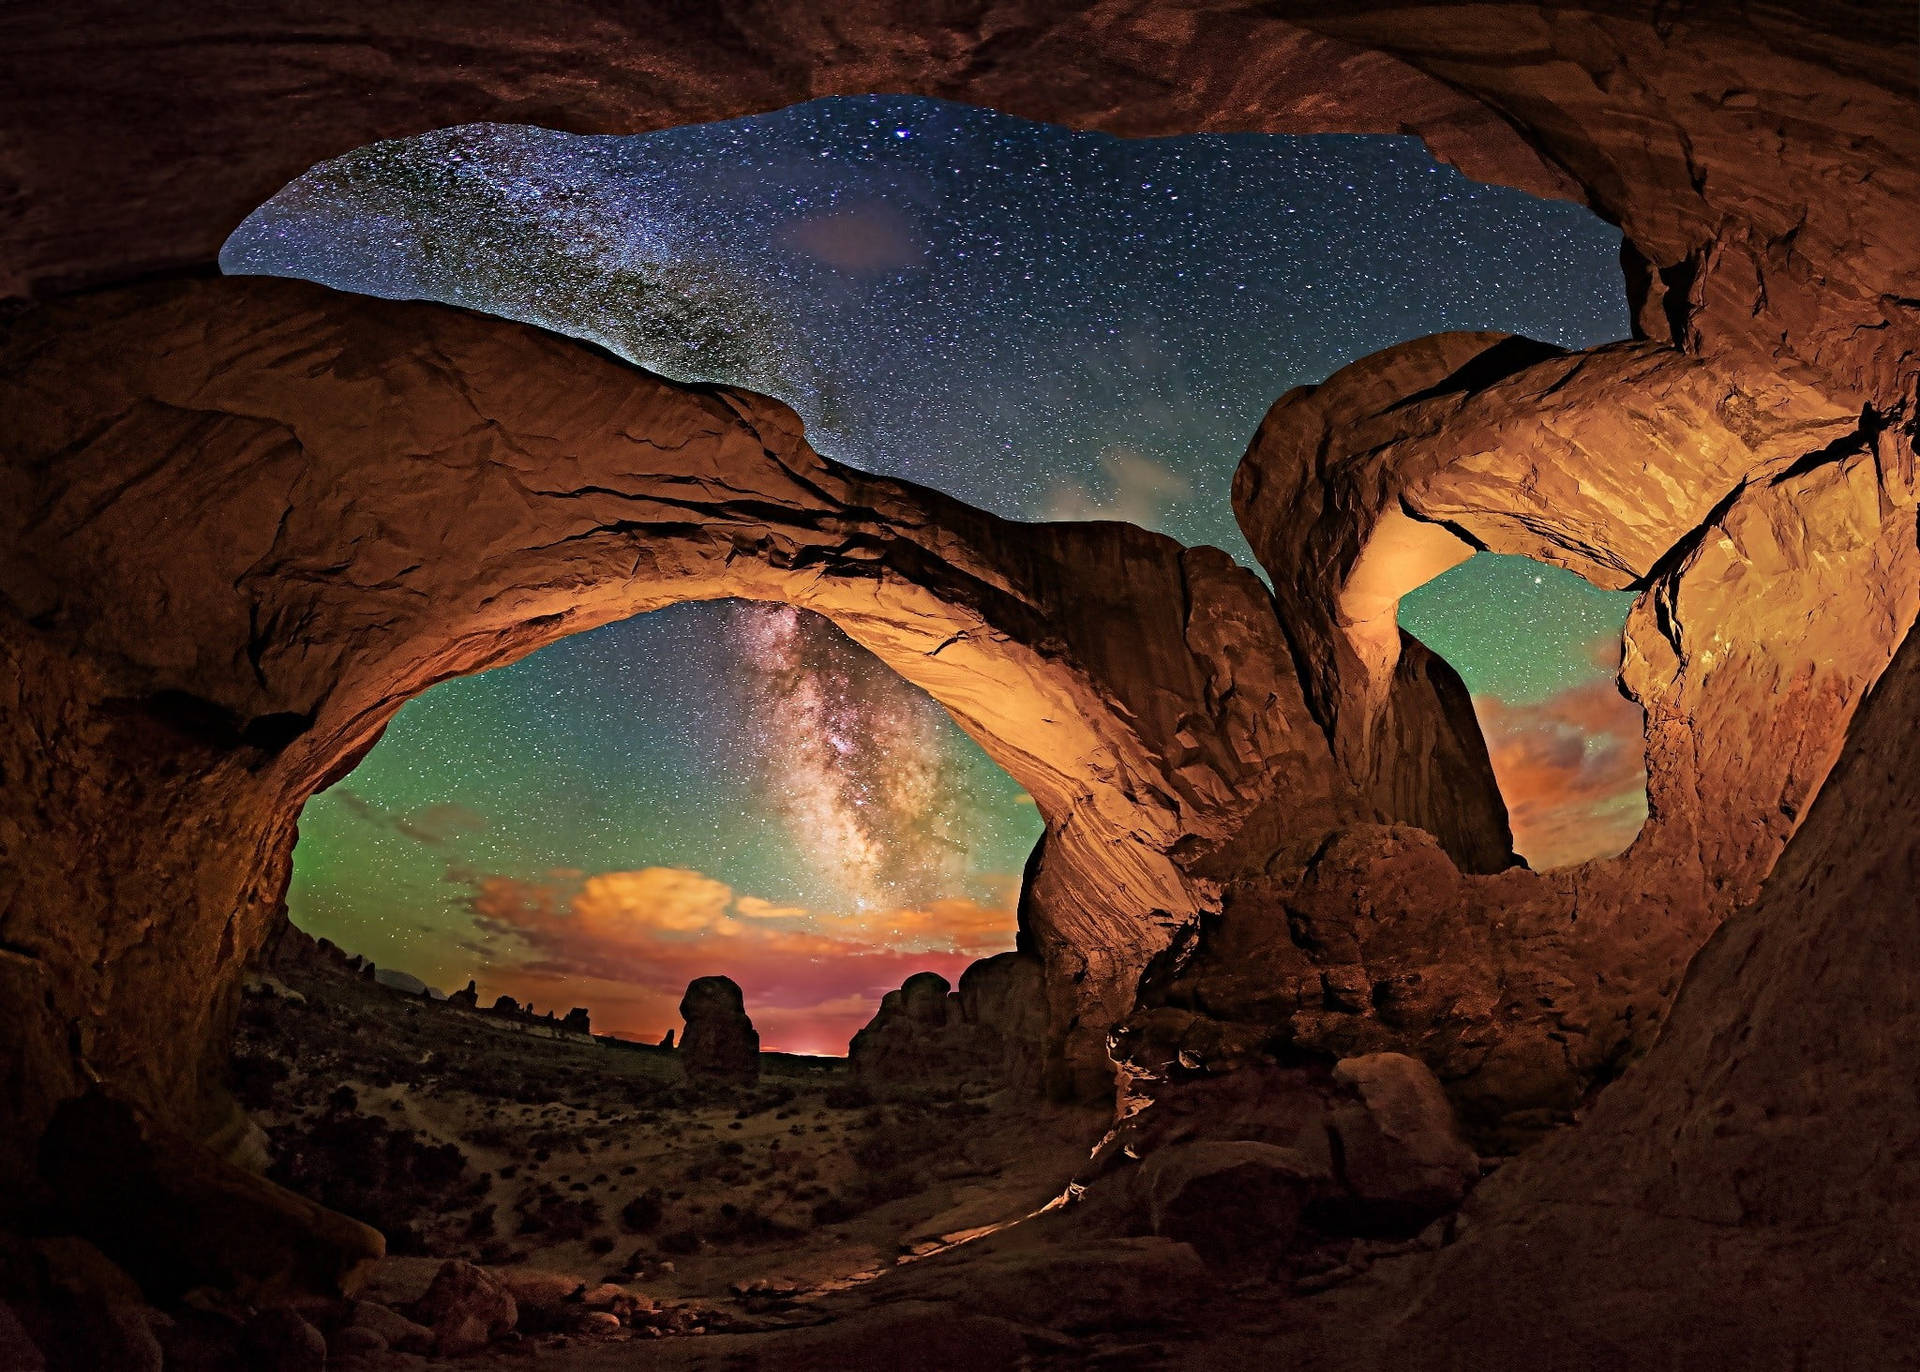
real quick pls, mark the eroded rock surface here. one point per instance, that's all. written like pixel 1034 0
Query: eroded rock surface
pixel 388 494
pixel 1229 1200
pixel 991 1030
pixel 466 1308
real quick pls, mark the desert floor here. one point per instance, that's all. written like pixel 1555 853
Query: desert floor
pixel 712 1208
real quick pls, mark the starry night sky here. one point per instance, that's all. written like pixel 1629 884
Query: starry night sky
pixel 1044 323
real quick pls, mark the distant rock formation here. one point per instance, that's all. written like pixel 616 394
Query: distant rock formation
pixel 992 1029
pixel 720 1042
pixel 292 949
pixel 577 1021
pixel 506 1005
pixel 468 999
pixel 406 983
pixel 666 1039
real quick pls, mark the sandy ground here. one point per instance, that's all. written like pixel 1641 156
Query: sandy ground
pixel 726 1208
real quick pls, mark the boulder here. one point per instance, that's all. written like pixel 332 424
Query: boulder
pixel 545 1299
pixel 355 1341
pixel 279 1340
pixel 1229 1200
pixel 174 1216
pixel 1400 1155
pixel 467 1308
pixel 720 1041
pixel 395 1330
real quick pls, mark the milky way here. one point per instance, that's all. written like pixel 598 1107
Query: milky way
pixel 1043 323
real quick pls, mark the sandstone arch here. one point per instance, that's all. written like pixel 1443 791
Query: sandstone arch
pixel 374 497
pixel 1762 165
pixel 1636 466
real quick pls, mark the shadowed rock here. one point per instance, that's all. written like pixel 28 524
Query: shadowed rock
pixel 1230 1200
pixel 466 1309
pixel 176 1217
pixel 992 1030
pixel 719 1042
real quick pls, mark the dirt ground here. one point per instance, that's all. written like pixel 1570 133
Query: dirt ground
pixel 459 1134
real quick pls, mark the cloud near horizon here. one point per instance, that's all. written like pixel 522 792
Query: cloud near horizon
pixel 1572 770
pixel 625 944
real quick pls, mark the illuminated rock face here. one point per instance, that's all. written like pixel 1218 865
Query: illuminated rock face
pixel 1775 536
pixel 246 520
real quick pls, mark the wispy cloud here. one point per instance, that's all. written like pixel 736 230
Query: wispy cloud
pixel 1133 487
pixel 863 240
pixel 433 825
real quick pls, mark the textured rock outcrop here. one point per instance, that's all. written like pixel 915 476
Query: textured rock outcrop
pixel 1774 536
pixel 1229 1200
pixel 176 1217
pixel 1369 1147
pixel 466 1308
pixel 719 1042
pixel 1736 1199
pixel 1697 479
pixel 992 1030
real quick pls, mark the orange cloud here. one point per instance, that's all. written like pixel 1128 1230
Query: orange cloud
pixel 1572 770
pixel 626 944
pixel 755 908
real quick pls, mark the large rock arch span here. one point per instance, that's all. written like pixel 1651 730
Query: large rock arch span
pixel 373 497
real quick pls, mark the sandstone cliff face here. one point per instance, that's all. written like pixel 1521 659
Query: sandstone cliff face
pixel 1740 1198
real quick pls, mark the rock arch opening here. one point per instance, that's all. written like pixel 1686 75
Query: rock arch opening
pixel 715 788
pixel 1543 665
pixel 1044 323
